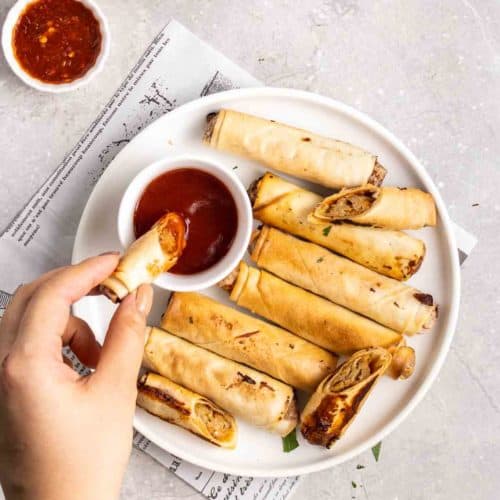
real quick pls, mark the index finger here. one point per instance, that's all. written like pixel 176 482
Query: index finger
pixel 47 313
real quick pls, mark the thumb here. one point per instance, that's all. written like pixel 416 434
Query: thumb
pixel 123 347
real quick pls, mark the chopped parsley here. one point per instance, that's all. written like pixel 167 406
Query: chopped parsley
pixel 320 260
pixel 359 466
pixel 326 230
pixel 376 450
pixel 290 442
pixel 235 167
pixel 354 485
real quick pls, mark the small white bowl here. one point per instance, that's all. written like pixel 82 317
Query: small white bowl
pixel 210 276
pixel 8 29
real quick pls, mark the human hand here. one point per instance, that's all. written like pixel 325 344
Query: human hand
pixel 61 435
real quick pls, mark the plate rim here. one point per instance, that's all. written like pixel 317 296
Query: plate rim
pixel 449 237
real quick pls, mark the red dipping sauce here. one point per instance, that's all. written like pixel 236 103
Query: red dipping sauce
pixel 56 41
pixel 207 207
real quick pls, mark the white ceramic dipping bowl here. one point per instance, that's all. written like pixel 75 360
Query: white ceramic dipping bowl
pixel 8 29
pixel 210 276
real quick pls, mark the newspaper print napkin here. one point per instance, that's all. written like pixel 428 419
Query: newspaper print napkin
pixel 176 68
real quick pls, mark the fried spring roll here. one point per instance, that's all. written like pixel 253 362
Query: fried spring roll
pixel 316 319
pixel 291 150
pixel 180 406
pixel 389 207
pixel 309 266
pixel 286 206
pixel 245 339
pixel 242 391
pixel 155 252
pixel 338 399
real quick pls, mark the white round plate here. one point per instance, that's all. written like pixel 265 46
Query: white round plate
pixel 259 453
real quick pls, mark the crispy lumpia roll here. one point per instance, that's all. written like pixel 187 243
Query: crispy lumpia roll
pixel 389 207
pixel 180 406
pixel 291 150
pixel 155 252
pixel 338 399
pixel 245 339
pixel 286 206
pixel 309 266
pixel 242 391
pixel 309 316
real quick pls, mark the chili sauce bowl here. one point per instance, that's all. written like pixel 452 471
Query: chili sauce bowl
pixel 9 25
pixel 237 248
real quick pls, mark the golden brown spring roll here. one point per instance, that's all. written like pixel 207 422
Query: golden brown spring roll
pixel 309 266
pixel 242 391
pixel 286 206
pixel 180 406
pixel 245 339
pixel 291 150
pixel 155 252
pixel 316 319
pixel 338 399
pixel 389 207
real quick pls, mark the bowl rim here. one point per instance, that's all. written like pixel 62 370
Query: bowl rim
pixel 236 252
pixel 55 88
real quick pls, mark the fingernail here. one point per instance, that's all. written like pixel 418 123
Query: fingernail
pixel 112 252
pixel 143 299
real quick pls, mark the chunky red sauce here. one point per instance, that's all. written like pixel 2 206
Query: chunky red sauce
pixel 207 207
pixel 56 41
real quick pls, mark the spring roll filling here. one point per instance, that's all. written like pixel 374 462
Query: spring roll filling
pixel 350 204
pixel 377 176
pixel 351 374
pixel 217 424
pixel 209 128
pixel 253 189
pixel 172 235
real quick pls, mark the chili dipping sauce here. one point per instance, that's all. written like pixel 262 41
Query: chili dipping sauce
pixel 56 41
pixel 208 209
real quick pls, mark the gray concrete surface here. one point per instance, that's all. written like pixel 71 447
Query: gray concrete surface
pixel 429 71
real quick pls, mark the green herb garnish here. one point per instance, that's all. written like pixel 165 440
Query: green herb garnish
pixel 359 466
pixel 320 260
pixel 354 485
pixel 290 442
pixel 376 451
pixel 235 167
pixel 326 230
